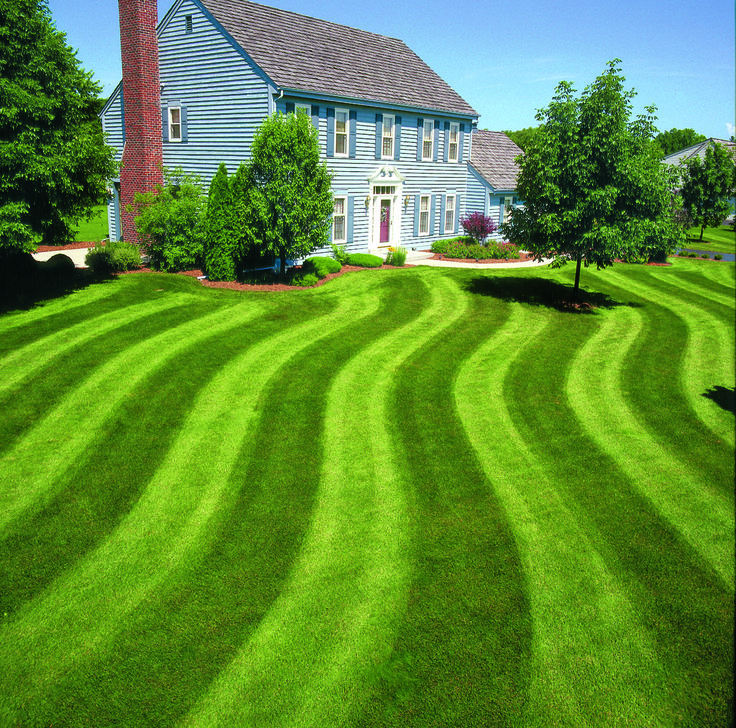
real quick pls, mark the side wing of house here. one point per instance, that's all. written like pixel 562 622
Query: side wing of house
pixel 213 98
pixel 400 175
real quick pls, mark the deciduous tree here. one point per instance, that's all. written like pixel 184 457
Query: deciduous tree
pixel 676 139
pixel 593 185
pixel 54 164
pixel 289 189
pixel 708 185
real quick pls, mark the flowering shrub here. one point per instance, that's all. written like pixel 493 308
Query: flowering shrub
pixel 467 248
pixel 478 226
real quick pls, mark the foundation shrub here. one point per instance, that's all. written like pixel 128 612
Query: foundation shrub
pixel 321 266
pixel 365 260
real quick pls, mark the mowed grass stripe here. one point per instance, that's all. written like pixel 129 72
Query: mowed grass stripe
pixel 586 633
pixel 188 628
pixel 22 363
pixel 696 337
pixel 82 612
pixel 676 490
pixel 308 662
pixel 679 599
pixel 30 470
pixel 460 654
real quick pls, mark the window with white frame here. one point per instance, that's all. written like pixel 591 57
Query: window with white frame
pixel 174 123
pixel 428 140
pixel 424 215
pixel 341 132
pixel 339 220
pixel 450 214
pixel 452 153
pixel 387 147
pixel 304 108
pixel 507 207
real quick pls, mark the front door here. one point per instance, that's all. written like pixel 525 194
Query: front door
pixel 385 222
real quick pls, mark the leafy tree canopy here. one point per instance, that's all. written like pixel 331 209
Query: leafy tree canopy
pixel 708 185
pixel 54 164
pixel 523 137
pixel 676 139
pixel 593 187
pixel 289 190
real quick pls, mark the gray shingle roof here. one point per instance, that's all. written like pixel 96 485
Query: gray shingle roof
pixel 493 155
pixel 697 150
pixel 302 53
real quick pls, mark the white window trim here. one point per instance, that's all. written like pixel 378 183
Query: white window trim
pixel 344 216
pixel 173 137
pixel 508 205
pixel 388 133
pixel 450 209
pixel 428 124
pixel 346 153
pixel 426 212
pixel 454 126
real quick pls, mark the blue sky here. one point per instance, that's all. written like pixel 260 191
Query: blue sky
pixel 505 59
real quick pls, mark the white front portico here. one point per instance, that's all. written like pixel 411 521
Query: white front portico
pixel 385 208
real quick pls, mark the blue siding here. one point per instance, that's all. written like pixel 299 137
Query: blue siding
pixel 225 99
pixel 223 96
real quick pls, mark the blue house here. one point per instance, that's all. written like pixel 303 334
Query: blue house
pixel 396 136
pixel 492 176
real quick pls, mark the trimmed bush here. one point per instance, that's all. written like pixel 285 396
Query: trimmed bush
pixel 58 265
pixel 705 255
pixel 321 266
pixel 717 256
pixel 305 280
pixel 365 260
pixel 114 256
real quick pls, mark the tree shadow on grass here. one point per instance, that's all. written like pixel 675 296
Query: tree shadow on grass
pixel 25 283
pixel 542 292
pixel 724 397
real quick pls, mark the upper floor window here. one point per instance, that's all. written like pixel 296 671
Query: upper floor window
pixel 454 143
pixel 387 146
pixel 424 215
pixel 174 123
pixel 341 132
pixel 428 140
pixel 450 214
pixel 339 218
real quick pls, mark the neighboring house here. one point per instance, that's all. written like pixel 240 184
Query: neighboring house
pixel 492 176
pixel 395 135
pixel 698 150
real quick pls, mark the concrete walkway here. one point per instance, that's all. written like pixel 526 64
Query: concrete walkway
pixel 76 254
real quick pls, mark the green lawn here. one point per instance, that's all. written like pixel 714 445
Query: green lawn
pixel 95 229
pixel 415 497
pixel 719 240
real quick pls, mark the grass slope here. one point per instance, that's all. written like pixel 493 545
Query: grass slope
pixel 413 497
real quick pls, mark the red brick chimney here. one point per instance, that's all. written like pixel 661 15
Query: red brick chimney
pixel 142 167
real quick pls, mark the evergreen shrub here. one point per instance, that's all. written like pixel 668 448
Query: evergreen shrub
pixel 321 266
pixel 114 256
pixel 365 260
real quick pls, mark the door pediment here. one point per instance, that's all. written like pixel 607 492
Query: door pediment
pixel 386 174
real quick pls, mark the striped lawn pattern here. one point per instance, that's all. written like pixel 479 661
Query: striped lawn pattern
pixel 420 497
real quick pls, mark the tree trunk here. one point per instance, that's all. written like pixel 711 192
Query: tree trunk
pixel 577 280
pixel 282 260
pixel 702 230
